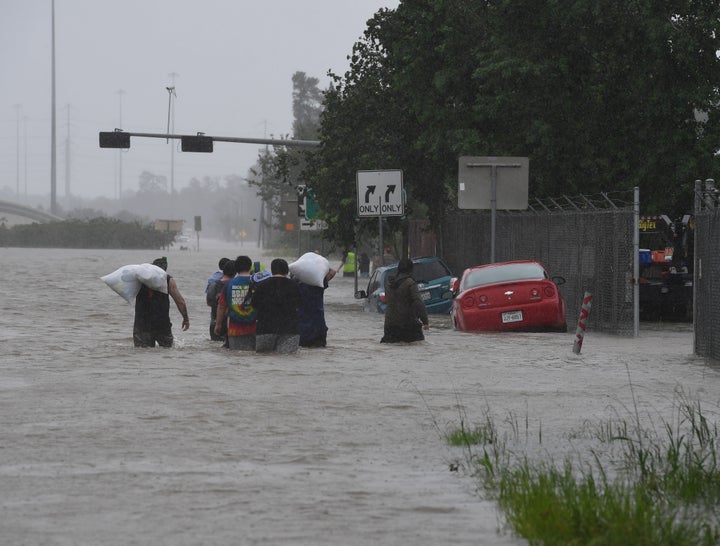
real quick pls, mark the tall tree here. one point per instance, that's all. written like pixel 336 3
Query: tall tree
pixel 307 105
pixel 279 171
pixel 365 126
pixel 152 183
pixel 601 95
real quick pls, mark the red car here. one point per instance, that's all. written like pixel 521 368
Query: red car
pixel 517 295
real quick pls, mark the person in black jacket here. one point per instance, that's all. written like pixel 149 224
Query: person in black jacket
pixel 405 315
pixel 277 300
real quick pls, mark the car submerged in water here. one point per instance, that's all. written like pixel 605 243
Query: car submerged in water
pixel 433 277
pixel 518 295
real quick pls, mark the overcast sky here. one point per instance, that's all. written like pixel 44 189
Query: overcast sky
pixel 232 61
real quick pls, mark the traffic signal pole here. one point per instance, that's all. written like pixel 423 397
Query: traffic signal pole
pixel 195 143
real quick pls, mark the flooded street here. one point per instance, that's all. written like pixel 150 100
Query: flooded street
pixel 103 443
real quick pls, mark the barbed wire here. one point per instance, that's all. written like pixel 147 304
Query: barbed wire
pixel 619 199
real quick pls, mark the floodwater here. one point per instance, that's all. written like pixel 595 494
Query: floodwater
pixel 102 443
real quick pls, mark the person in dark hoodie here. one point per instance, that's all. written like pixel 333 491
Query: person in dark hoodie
pixel 405 315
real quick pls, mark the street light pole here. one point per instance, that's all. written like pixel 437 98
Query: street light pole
pixel 17 155
pixel 120 93
pixel 171 108
pixel 25 119
pixel 53 125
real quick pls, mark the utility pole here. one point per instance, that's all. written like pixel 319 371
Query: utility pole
pixel 53 128
pixel 25 119
pixel 67 156
pixel 18 107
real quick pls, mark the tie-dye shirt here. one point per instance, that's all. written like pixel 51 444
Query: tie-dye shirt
pixel 242 317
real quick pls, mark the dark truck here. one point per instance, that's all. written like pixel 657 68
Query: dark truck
pixel 666 279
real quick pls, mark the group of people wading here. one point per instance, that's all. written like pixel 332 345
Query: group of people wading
pixel 256 310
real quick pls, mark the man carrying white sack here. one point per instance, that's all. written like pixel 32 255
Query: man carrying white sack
pixel 312 326
pixel 152 313
pixel 312 273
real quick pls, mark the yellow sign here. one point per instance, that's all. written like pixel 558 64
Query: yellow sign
pixel 647 224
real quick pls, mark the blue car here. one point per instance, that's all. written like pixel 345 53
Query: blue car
pixel 434 282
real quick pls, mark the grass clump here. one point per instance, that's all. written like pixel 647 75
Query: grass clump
pixel 467 437
pixel 637 487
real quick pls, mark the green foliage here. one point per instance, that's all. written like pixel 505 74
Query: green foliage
pixel 551 506
pixel 484 433
pixel 79 233
pixel 602 96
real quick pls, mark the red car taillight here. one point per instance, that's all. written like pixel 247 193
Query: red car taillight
pixel 472 301
pixel 549 292
pixel 383 298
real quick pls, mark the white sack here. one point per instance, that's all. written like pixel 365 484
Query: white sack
pixel 153 277
pixel 310 268
pixel 127 280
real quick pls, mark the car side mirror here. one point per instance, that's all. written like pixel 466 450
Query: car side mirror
pixel 558 280
pixel 360 294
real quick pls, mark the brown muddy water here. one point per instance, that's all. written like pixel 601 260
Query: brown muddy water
pixel 102 443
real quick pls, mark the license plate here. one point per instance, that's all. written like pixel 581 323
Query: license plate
pixel 512 316
pixel 425 295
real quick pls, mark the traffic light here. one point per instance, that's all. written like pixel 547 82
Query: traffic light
pixel 197 144
pixel 114 139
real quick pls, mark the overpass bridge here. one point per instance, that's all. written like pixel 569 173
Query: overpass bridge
pixel 37 215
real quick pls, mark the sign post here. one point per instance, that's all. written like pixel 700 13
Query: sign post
pixel 493 183
pixel 198 229
pixel 380 193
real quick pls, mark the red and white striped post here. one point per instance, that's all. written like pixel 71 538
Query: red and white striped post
pixel 582 323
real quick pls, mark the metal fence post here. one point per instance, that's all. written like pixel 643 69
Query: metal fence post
pixel 636 261
pixel 696 212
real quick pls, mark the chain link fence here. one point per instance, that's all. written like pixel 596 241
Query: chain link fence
pixel 588 240
pixel 706 281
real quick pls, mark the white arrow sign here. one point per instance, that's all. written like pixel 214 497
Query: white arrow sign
pixel 380 193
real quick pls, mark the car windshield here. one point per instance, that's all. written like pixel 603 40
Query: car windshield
pixel 423 272
pixel 429 271
pixel 505 273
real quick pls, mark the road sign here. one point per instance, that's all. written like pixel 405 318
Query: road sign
pixel 114 139
pixel 312 207
pixel 308 206
pixel 380 193
pixel 482 180
pixel 312 225
pixel 308 209
pixel 197 143
pixel 493 183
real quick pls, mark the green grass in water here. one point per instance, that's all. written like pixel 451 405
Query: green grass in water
pixel 665 489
